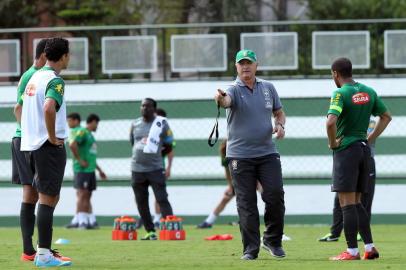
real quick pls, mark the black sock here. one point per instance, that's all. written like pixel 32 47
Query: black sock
pixel 45 219
pixel 27 224
pixel 350 220
pixel 364 225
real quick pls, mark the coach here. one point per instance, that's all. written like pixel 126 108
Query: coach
pixel 252 155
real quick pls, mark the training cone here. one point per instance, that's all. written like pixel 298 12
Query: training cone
pixel 221 237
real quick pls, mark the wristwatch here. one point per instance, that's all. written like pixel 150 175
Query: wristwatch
pixel 283 127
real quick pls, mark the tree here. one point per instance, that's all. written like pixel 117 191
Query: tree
pixel 15 14
pixel 356 9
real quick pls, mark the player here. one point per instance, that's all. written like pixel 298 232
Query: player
pixel 43 130
pixel 228 193
pixel 167 151
pixel 147 135
pixel 84 150
pixel 366 200
pixel 21 174
pixel 351 107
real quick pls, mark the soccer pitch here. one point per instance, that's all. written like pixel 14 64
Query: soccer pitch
pixel 95 250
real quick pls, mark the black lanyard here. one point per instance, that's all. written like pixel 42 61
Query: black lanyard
pixel 215 129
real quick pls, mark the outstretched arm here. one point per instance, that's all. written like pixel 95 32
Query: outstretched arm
pixel 222 99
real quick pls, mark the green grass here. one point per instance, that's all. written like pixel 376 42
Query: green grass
pixel 96 250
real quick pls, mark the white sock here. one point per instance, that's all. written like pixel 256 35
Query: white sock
pixel 211 218
pixel 82 218
pixel 157 217
pixel 92 218
pixel 75 219
pixel 353 251
pixel 368 247
pixel 44 254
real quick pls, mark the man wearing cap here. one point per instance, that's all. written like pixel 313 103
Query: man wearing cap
pixel 251 104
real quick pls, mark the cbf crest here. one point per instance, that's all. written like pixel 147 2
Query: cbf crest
pixel 268 101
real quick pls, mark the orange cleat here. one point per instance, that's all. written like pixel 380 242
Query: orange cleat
pixel 372 255
pixel 57 255
pixel 28 258
pixel 345 256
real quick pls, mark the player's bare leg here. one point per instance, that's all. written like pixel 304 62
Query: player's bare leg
pixel 158 215
pixel 83 207
pixel 91 216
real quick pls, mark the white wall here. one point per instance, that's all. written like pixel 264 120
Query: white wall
pixel 201 200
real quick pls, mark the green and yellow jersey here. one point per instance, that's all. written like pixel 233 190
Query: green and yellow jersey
pixel 354 104
pixel 22 84
pixel 55 89
pixel 87 149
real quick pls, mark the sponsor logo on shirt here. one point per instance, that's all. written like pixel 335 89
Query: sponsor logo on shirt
pixel 360 98
pixel 30 90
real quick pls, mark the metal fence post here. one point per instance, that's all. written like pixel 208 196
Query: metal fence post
pixel 164 54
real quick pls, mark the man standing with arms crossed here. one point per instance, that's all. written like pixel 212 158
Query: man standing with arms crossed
pixel 251 104
pixel 44 129
pixel 21 174
pixel 351 107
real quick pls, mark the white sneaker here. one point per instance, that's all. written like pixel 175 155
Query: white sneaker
pixel 50 262
pixel 286 238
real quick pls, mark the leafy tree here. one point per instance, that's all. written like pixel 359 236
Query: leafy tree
pixel 18 13
pixel 356 9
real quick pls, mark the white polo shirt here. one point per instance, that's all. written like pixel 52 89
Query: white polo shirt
pixel 45 83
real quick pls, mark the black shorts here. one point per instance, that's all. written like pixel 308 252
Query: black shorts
pixel 21 171
pixel 48 163
pixel 351 168
pixel 85 180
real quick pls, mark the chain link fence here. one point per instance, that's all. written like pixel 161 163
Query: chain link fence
pixel 175 52
pixel 304 151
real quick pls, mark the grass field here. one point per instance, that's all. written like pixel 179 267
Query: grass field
pixel 95 250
